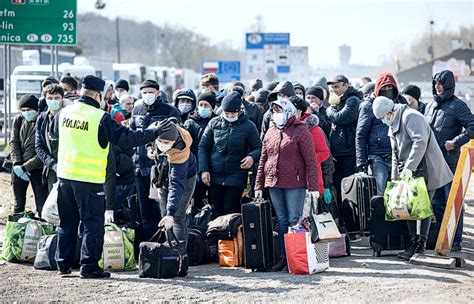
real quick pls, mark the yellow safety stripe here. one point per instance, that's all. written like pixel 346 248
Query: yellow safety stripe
pixel 85 160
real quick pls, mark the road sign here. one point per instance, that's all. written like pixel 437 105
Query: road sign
pixel 38 22
pixel 227 71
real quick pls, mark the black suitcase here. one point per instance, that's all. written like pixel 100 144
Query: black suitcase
pixel 357 191
pixel 257 223
pixel 386 235
pixel 200 250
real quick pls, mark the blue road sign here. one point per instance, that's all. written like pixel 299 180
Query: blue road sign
pixel 259 40
pixel 228 71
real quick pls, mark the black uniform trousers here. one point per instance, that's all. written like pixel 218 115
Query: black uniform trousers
pixel 85 202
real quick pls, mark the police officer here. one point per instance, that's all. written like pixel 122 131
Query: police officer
pixel 84 133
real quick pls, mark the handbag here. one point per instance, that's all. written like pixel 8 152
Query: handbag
pixel 50 211
pixel 163 260
pixel 322 226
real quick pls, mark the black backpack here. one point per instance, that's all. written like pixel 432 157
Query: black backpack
pixel 224 227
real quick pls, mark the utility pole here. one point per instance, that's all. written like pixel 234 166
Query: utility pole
pixel 117 31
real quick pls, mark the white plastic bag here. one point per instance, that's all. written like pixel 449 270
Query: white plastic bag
pixel 326 227
pixel 50 209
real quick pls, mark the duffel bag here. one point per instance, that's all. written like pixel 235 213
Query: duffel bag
pixel 163 260
pixel 44 259
pixel 225 227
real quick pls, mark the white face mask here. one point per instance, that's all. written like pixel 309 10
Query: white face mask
pixel 163 147
pixel 184 108
pixel 300 96
pixel 120 94
pixel 148 98
pixel 279 119
pixel 53 104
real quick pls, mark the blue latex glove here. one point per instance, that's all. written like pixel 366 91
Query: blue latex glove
pixel 327 196
pixel 55 168
pixel 20 173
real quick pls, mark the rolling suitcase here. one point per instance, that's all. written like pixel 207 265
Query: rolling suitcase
pixel 386 235
pixel 258 235
pixel 357 191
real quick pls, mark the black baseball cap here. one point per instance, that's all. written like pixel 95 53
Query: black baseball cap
pixel 337 79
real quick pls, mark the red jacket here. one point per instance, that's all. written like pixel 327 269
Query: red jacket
pixel 288 160
pixel 320 144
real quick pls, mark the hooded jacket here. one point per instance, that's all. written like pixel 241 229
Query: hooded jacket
pixel 371 134
pixel 222 147
pixel 450 118
pixel 282 87
pixel 142 117
pixel 185 93
pixel 288 159
pixel 344 122
pixel 46 146
pixel 320 145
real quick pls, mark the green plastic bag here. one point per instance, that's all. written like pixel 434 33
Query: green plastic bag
pixel 22 237
pixel 118 253
pixel 407 199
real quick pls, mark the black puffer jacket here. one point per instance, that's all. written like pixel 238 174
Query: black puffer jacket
pixel 344 122
pixel 449 118
pixel 22 144
pixel 222 148
pixel 196 125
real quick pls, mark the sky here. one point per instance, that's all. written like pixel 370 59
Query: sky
pixel 372 28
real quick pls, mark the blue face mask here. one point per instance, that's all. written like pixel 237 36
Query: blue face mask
pixel 230 119
pixel 29 115
pixel 385 121
pixel 204 112
pixel 53 105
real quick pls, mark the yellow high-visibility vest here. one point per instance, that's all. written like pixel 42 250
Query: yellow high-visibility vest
pixel 80 157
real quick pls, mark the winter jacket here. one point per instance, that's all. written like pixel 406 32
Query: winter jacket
pixel 22 144
pixel 188 93
pixel 412 140
pixel 288 160
pixel 320 145
pixel 324 124
pixel 285 87
pixel 267 118
pixel 182 166
pixel 253 112
pixel 344 122
pixel 120 171
pixel 142 117
pixel 196 125
pixel 45 144
pixel 222 148
pixel 450 119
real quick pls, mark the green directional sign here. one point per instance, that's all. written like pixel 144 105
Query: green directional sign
pixel 38 22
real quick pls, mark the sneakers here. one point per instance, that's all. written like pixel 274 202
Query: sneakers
pixel 280 265
pixel 99 274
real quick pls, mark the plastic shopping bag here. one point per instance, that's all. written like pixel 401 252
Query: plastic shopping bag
pixel 407 199
pixel 303 256
pixel 118 252
pixel 50 209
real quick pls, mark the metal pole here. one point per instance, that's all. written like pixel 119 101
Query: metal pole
pixel 117 30
pixel 52 60
pixel 57 62
pixel 8 92
pixel 5 99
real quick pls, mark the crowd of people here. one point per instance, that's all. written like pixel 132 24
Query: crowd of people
pixel 280 142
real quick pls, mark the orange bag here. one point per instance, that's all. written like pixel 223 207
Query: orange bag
pixel 231 252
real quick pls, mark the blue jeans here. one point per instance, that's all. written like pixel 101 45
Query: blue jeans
pixel 381 171
pixel 439 205
pixel 288 204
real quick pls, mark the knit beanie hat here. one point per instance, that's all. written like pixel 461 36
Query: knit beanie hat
pixel 315 91
pixel 413 91
pixel 256 84
pixel 381 106
pixel 209 97
pixel 299 103
pixel 171 133
pixel 232 102
pixel 29 101
pixel 122 84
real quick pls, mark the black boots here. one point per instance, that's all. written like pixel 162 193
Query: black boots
pixel 99 274
pixel 417 246
pixel 280 265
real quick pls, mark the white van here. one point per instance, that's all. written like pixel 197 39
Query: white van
pixel 134 73
pixel 27 79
